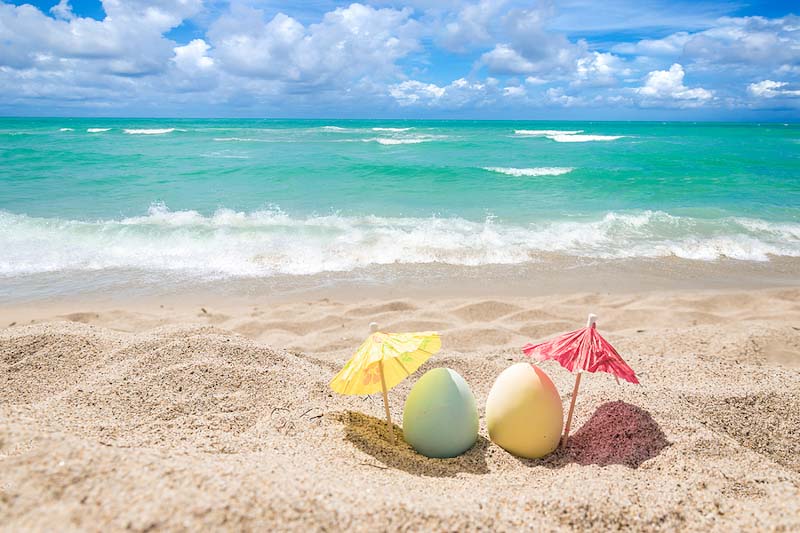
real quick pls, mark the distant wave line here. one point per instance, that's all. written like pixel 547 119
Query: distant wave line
pixel 537 171
pixel 150 131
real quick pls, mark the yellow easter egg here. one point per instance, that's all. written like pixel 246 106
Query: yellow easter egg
pixel 523 412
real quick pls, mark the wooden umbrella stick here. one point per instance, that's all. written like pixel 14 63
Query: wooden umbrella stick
pixel 591 320
pixel 386 404
pixel 565 438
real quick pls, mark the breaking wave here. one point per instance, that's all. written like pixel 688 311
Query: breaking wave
pixel 241 139
pixel 538 171
pixel 566 136
pixel 543 133
pixel 149 131
pixel 583 138
pixel 265 243
pixel 388 141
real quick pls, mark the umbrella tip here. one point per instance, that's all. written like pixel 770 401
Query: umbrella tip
pixel 373 327
pixel 591 320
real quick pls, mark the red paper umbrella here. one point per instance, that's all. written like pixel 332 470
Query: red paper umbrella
pixel 583 350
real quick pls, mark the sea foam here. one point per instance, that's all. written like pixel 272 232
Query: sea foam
pixel 148 131
pixel 388 141
pixel 538 171
pixel 264 243
pixel 542 133
pixel 97 130
pixel 566 136
pixel 391 129
pixel 241 139
pixel 583 138
pixel 414 139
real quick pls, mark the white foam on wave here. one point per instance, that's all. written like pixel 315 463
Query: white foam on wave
pixel 66 129
pixel 222 155
pixel 240 139
pixel 537 171
pixel 391 129
pixel 229 243
pixel 542 133
pixel 573 138
pixel 566 136
pixel 149 131
pixel 97 130
pixel 388 141
pixel 416 139
pixel 333 128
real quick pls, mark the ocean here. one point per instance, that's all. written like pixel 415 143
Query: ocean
pixel 204 200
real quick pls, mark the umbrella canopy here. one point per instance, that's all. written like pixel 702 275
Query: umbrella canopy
pixel 582 350
pixel 399 353
pixel 383 361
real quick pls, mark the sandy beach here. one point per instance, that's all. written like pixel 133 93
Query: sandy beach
pixel 182 416
pixel 221 221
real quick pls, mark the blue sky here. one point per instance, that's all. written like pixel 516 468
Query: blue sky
pixel 569 59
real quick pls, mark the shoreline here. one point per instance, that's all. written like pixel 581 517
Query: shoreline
pixel 556 275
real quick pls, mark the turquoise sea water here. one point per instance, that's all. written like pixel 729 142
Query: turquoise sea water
pixel 212 199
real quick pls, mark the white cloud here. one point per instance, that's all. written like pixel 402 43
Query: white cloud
pixel 744 41
pixel 670 46
pixel 368 58
pixel 463 93
pixel 412 91
pixel 747 40
pixel 192 57
pixel 348 43
pixel 62 10
pixel 556 95
pixel 771 89
pixel 533 80
pixel 505 60
pixel 471 25
pixel 457 94
pixel 514 91
pixel 668 85
pixel 530 48
pixel 128 42
pixel 640 16
pixel 598 68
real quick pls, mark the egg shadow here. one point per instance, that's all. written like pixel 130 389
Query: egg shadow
pixel 369 434
pixel 618 433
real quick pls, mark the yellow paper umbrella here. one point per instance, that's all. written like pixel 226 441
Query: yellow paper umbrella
pixel 383 361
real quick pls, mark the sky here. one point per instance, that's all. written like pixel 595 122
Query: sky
pixel 486 59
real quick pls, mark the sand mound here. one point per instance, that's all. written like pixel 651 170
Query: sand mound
pixel 765 422
pixel 485 311
pixel 193 426
pixel 41 361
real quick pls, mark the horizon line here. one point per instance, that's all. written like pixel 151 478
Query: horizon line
pixel 678 121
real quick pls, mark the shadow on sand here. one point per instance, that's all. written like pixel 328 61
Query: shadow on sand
pixel 369 434
pixel 618 433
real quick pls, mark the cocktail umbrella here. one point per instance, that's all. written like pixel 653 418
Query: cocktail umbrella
pixel 579 351
pixel 383 361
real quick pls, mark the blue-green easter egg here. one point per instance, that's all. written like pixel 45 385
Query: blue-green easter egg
pixel 440 418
